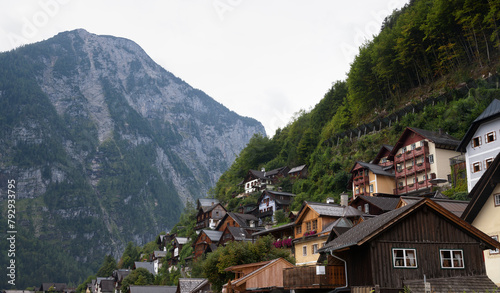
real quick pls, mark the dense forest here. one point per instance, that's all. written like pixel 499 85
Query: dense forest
pixel 427 49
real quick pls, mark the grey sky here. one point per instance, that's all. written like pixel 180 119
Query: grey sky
pixel 265 59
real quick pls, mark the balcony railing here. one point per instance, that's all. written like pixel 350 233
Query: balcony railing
pixel 306 278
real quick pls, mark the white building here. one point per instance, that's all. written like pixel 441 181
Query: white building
pixel 481 143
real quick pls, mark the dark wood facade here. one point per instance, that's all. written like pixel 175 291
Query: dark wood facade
pixel 307 278
pixel 424 227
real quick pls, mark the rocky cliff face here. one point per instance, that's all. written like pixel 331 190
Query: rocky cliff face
pixel 104 144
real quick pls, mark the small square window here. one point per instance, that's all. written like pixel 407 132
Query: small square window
pixel 490 137
pixel 497 200
pixel 496 251
pixel 476 141
pixel 476 167
pixel 452 259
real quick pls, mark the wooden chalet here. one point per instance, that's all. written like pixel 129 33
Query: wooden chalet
pixel 382 157
pixel 232 219
pixel 271 201
pixel 235 234
pixel 283 235
pixel 403 247
pixel 374 205
pixel 208 216
pixel 264 276
pixel 177 244
pixel 298 172
pixel 256 181
pixel 207 241
pixel 483 212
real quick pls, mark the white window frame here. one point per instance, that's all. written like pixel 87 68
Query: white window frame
pixel 315 249
pixel 406 258
pixel 496 198
pixel 496 251
pixel 452 258
pixel 486 136
pixel 479 165
pixel 479 140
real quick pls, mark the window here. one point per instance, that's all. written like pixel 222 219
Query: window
pixel 496 251
pixel 488 162
pixel 404 150
pixel 476 167
pixel 298 229
pixel 497 199
pixel 371 188
pixel 490 137
pixel 452 259
pixel 308 226
pixel 315 224
pixel 413 146
pixel 431 159
pixel 476 141
pixel 315 249
pixel 404 258
pixel 367 208
pixel 304 250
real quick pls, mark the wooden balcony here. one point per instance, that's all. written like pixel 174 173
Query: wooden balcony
pixel 306 278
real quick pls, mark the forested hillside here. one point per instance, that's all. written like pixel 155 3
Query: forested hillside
pixel 426 49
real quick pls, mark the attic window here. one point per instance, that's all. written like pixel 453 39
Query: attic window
pixel 476 141
pixel 452 259
pixel 404 258
pixel 490 137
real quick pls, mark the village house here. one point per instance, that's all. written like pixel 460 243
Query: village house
pixel 210 212
pixel 152 289
pixel 207 241
pixel 480 143
pixel 311 228
pixel 191 285
pixel 282 234
pixel 230 234
pixel 157 259
pixel 118 276
pixel 371 179
pixel 483 212
pixel 261 180
pixel 298 172
pixel 382 157
pixel 398 250
pixel 271 201
pixel 264 276
pixel 421 160
pixel 177 244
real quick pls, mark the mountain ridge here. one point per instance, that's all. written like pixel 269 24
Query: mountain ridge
pixel 101 140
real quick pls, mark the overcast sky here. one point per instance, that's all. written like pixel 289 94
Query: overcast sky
pixel 265 59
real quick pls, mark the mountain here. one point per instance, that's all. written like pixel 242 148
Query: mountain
pixel 105 147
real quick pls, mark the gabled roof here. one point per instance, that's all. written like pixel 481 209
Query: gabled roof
pixel 59 287
pixel 145 265
pixel 242 219
pixel 297 169
pixel 328 210
pixel 159 253
pixel 213 235
pixel 385 148
pixel 276 195
pixel 482 190
pixel 441 140
pixel 383 203
pixel 457 207
pixel 186 285
pixel 374 168
pixel 107 285
pixel 152 289
pixel 263 267
pixel 206 202
pixel 491 112
pixel 181 240
pixel 120 274
pixel 239 234
pixel 367 230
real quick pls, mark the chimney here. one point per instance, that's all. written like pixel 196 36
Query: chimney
pixel 344 199
pixel 330 200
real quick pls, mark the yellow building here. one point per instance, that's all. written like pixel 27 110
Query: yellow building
pixel 313 226
pixel 371 179
pixel 483 212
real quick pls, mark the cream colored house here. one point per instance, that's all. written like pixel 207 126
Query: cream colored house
pixel 483 212
pixel 422 160
pixel 311 228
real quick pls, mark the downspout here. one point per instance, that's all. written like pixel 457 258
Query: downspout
pixel 345 268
